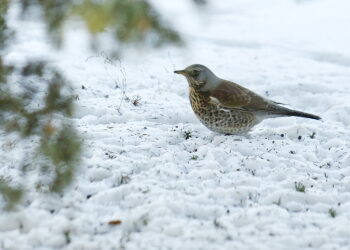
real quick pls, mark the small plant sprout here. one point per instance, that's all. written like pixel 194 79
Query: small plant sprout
pixel 194 157
pixel 187 134
pixel 136 100
pixel 312 136
pixel 332 212
pixel 299 187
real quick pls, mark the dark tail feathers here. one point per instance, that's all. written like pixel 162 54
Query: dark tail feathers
pixel 300 114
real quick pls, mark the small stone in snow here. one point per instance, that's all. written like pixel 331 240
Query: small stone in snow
pixel 115 222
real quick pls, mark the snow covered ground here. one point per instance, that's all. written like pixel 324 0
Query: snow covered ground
pixel 204 190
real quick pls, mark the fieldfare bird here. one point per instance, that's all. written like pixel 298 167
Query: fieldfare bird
pixel 226 107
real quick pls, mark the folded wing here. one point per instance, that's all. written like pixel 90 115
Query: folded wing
pixel 232 95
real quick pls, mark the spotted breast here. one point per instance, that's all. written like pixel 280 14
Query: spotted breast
pixel 218 118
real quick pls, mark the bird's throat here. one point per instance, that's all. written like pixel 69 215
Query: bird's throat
pixel 198 98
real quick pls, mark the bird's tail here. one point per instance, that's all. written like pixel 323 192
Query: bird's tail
pixel 278 110
pixel 290 112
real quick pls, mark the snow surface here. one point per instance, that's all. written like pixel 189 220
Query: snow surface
pixel 209 191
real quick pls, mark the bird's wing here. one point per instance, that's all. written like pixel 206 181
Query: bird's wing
pixel 232 95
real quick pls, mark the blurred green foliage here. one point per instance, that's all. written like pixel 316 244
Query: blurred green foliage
pixel 129 21
pixel 10 194
pixel 58 143
pixel 4 31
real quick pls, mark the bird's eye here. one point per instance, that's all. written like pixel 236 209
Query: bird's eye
pixel 195 73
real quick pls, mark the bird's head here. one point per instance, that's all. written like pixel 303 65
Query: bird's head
pixel 199 77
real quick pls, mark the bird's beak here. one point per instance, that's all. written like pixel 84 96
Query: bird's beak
pixel 181 72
